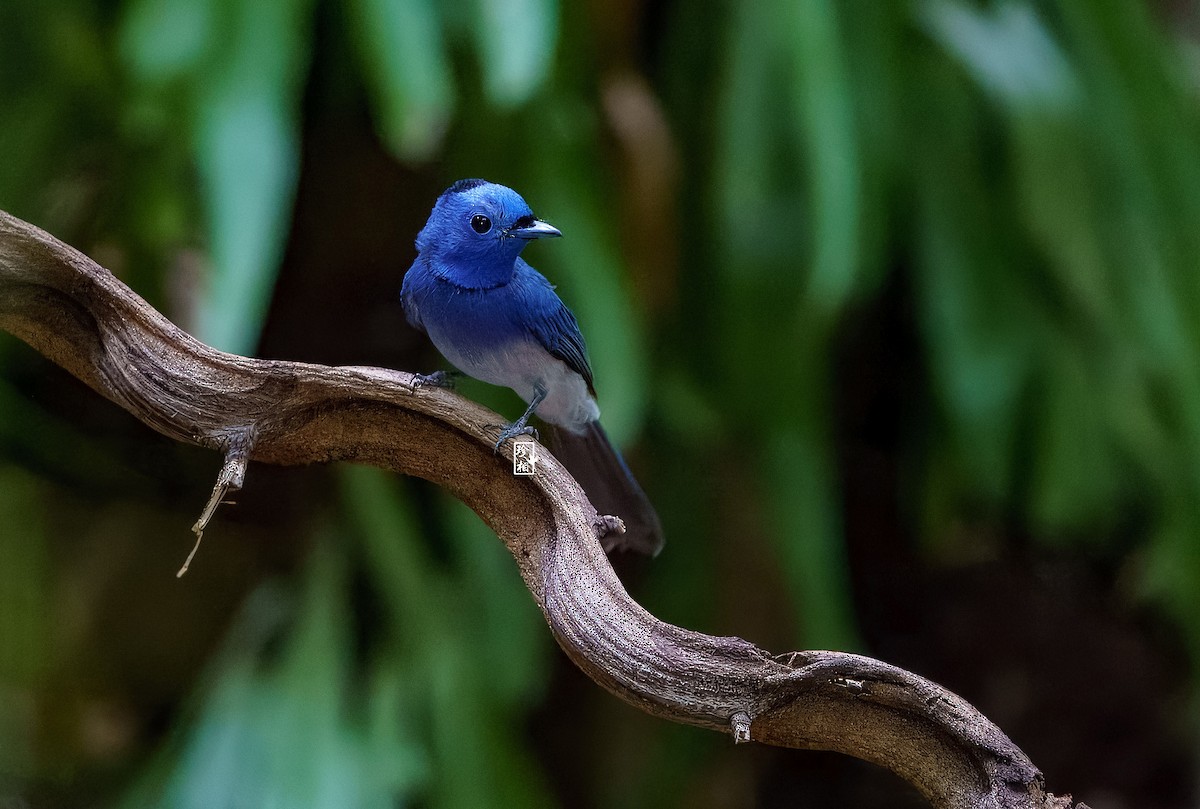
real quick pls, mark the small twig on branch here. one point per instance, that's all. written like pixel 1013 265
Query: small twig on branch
pixel 229 479
pixel 82 318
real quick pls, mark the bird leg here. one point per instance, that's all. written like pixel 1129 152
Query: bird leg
pixel 521 425
pixel 438 379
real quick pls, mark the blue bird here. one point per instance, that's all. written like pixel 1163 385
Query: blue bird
pixel 499 320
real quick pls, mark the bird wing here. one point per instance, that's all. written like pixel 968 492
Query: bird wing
pixel 552 324
pixel 408 296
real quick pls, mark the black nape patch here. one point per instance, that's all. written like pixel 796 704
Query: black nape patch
pixel 464 185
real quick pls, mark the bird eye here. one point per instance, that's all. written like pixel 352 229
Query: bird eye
pixel 480 224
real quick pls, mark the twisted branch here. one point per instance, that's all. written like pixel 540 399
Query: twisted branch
pixel 81 317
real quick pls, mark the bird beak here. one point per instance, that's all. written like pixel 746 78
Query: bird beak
pixel 537 230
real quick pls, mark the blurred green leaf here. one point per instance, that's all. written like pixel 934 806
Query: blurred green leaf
pixel 1075 481
pixel 789 265
pixel 466 719
pixel 165 40
pixel 288 733
pixel 508 629
pixel 1009 51
pixel 247 151
pixel 400 43
pixel 977 316
pixel 516 40
pixel 808 525
pixel 824 115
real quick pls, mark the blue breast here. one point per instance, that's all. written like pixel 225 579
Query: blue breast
pixel 469 326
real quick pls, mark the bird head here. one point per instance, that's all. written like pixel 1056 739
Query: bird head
pixel 476 231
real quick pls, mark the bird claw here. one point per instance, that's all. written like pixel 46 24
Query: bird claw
pixel 513 430
pixel 607 524
pixel 438 379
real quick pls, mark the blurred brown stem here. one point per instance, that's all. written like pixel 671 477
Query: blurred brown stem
pixel 81 317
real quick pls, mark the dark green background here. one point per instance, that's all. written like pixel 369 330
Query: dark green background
pixel 895 307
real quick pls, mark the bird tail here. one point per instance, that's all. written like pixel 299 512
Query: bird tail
pixel 599 468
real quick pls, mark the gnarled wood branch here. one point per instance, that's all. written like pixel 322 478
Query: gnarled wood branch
pixel 81 317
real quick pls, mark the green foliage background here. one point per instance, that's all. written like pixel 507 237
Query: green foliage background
pixel 1000 201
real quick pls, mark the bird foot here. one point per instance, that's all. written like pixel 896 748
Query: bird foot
pixel 438 379
pixel 517 428
pixel 607 524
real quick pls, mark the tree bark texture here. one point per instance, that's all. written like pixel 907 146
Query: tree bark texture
pixel 84 319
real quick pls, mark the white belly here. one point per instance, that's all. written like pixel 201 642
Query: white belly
pixel 525 367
